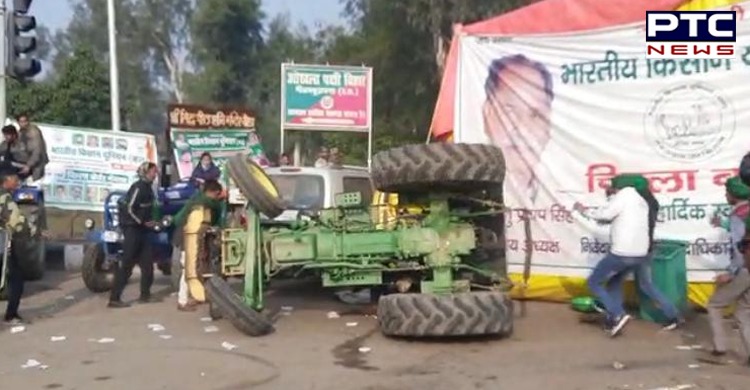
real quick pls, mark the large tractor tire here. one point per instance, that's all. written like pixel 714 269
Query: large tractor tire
pixel 225 303
pixel 259 190
pixel 440 167
pixel 745 169
pixel 96 278
pixel 430 315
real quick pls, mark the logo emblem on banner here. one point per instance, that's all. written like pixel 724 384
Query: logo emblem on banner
pixel 689 122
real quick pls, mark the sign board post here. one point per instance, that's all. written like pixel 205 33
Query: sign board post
pixel 326 98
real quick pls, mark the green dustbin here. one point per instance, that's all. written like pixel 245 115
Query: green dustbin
pixel 669 275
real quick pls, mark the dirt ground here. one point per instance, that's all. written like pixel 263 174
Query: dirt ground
pixel 550 349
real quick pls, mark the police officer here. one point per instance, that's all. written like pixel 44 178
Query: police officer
pixel 14 223
pixel 136 221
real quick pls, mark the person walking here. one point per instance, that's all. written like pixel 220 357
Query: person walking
pixel 643 274
pixel 135 213
pixel 733 285
pixel 627 213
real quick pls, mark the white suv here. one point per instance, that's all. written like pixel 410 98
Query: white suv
pixel 308 188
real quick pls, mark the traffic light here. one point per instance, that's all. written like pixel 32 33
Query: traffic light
pixel 21 64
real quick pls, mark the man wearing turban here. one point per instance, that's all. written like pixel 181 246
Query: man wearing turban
pixel 628 215
pixel 732 286
pixel 643 272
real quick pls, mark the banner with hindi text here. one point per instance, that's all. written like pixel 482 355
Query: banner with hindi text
pixel 570 111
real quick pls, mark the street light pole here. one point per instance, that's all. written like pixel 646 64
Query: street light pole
pixel 114 84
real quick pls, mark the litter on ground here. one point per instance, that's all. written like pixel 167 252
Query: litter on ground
pixel 228 346
pixel 365 349
pixel 105 340
pixel 211 329
pixel 17 329
pixel 57 338
pixel 165 336
pixel 206 319
pixel 351 324
pixel 332 315
pixel 31 363
pixel 156 327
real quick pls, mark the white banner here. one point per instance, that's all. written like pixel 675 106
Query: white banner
pixel 571 111
pixel 86 165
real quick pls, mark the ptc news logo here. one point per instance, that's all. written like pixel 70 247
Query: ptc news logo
pixel 691 34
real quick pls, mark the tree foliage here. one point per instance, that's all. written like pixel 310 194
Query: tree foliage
pixel 226 52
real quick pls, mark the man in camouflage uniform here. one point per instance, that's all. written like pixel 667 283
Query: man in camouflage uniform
pixel 33 141
pixel 13 223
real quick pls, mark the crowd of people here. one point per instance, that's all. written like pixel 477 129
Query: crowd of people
pixel 631 211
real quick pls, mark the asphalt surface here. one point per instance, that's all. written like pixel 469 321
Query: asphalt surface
pixel 115 349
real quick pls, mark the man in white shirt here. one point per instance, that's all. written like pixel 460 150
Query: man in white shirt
pixel 627 213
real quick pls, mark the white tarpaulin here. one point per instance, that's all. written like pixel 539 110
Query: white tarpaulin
pixel 571 111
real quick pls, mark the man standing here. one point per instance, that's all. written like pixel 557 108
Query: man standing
pixel 13 222
pixel 733 286
pixel 643 272
pixel 12 151
pixel 516 116
pixel 627 213
pixel 33 140
pixel 135 213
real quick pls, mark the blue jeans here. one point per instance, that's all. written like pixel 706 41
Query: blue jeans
pixel 607 279
pixel 646 285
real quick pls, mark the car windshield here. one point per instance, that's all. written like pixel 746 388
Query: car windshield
pixel 301 192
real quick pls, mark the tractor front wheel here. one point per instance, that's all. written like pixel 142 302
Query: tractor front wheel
pixel 483 313
pixel 95 277
pixel 225 303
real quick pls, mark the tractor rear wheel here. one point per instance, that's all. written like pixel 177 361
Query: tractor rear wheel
pixel 259 190
pixel 95 277
pixel 440 167
pixel 431 315
pixel 228 305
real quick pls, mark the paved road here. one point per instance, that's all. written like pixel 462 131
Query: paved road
pixel 550 349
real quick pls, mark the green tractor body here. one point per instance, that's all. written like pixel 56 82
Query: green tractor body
pixel 440 272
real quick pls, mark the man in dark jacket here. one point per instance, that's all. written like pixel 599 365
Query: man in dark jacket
pixel 136 220
pixel 33 140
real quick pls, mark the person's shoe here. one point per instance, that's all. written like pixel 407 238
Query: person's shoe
pixel 672 324
pixel 714 357
pixel 117 305
pixel 186 307
pixel 619 324
pixel 15 320
pixel 145 299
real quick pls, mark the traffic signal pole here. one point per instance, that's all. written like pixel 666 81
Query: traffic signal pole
pixel 3 60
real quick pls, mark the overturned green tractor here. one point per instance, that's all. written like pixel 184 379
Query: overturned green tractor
pixel 438 272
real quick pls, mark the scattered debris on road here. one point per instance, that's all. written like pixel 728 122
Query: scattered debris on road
pixel 332 315
pixel 165 336
pixel 17 329
pixel 206 319
pixel 694 366
pixel 156 327
pixel 31 363
pixel 351 324
pixel 211 329
pixel 365 349
pixel 228 346
pixel 618 365
pixel 55 339
pixel 105 340
pixel 678 387
pixel 70 298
